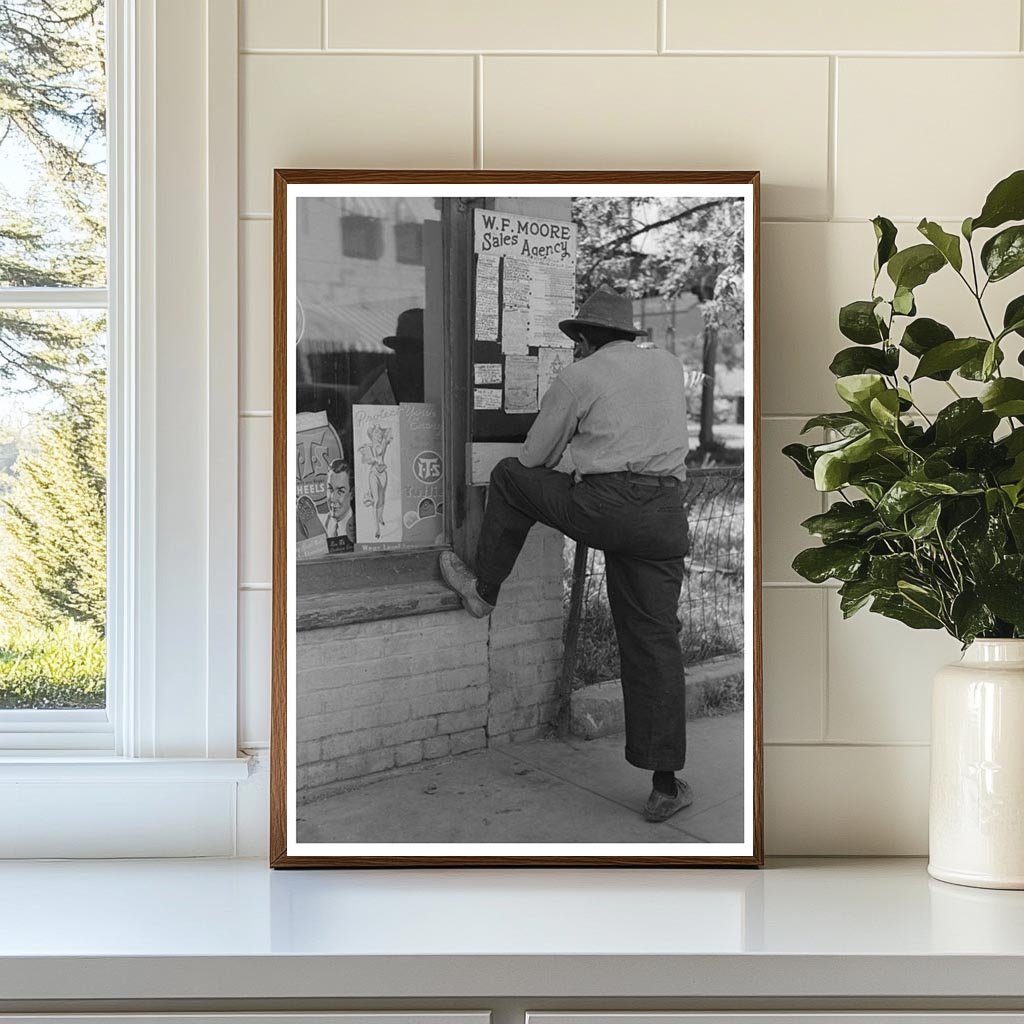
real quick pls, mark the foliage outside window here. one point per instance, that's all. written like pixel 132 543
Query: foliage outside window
pixel 53 197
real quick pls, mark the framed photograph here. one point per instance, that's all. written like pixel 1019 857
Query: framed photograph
pixel 516 553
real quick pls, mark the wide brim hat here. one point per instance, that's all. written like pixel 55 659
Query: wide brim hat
pixel 605 308
pixel 408 330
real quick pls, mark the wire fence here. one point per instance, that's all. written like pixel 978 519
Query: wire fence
pixel 711 603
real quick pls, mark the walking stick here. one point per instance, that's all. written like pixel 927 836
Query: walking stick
pixel 572 636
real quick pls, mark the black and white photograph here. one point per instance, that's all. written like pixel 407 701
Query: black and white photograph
pixel 515 558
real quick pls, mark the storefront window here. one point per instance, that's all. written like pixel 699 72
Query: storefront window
pixel 408 236
pixel 369 373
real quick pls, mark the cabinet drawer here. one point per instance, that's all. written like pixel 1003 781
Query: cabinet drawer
pixel 790 1017
pixel 360 1017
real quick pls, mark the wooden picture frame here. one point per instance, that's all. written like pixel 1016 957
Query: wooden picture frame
pixel 358 602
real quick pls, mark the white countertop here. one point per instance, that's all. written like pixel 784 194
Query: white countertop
pixel 234 929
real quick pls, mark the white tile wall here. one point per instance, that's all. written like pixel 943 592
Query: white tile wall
pixel 944 106
pixel 694 113
pixel 873 25
pixel 256 353
pixel 488 25
pixel 906 109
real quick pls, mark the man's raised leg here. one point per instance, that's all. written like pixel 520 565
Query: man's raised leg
pixel 517 498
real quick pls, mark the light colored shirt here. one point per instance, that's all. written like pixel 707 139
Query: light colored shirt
pixel 621 408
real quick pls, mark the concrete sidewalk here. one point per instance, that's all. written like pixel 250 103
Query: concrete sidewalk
pixel 545 791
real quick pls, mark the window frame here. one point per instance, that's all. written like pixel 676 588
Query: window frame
pixel 354 573
pixel 91 730
pixel 169 150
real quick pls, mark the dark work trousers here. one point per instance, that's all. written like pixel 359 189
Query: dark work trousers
pixel 639 522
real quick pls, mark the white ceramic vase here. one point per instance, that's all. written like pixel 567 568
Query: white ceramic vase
pixel 976 817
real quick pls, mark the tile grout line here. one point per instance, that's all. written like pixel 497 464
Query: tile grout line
pixel 323 24
pixel 354 51
pixel 832 146
pixel 851 744
pixel 478 111
pixel 823 724
pixel 662 27
pixel 1020 26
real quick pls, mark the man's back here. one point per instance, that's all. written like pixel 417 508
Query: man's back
pixel 629 404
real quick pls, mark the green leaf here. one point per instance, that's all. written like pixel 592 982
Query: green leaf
pixel 1005 202
pixel 887 570
pixel 949 355
pixel 966 417
pixel 925 518
pixel 903 302
pixel 833 420
pixel 1013 317
pixel 840 561
pixel 885 409
pixel 923 335
pixel 1005 597
pixel 857 321
pixel 971 617
pixel 885 237
pixel 906 494
pixel 799 455
pixel 842 521
pixel 947 244
pixel 858 389
pixel 854 360
pixel 991 360
pixel 974 368
pixel 899 608
pixel 965 229
pixel 1003 254
pixel 913 266
pixel 1004 397
pixel 854 594
pixel 831 471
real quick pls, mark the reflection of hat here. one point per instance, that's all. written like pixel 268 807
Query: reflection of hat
pixel 605 308
pixel 408 329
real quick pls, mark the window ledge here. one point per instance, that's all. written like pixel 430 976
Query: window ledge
pixel 74 767
pixel 321 611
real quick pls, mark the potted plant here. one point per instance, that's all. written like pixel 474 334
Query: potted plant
pixel 926 520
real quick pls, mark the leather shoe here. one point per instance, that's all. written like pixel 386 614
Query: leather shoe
pixel 661 806
pixel 460 578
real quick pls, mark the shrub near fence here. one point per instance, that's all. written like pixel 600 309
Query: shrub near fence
pixel 711 603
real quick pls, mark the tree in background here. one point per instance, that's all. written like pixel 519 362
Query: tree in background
pixel 666 248
pixel 52 545
pixel 52 231
pixel 52 384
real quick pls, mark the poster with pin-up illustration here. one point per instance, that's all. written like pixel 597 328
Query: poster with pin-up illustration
pixel 376 431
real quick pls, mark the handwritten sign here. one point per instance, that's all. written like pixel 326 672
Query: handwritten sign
pixel 527 238
pixel 521 384
pixel 487 373
pixel 486 398
pixel 486 325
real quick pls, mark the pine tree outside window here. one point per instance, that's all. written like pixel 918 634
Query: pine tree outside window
pixel 53 367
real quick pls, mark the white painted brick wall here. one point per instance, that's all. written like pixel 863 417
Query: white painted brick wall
pixel 382 695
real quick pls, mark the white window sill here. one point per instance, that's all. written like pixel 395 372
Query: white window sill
pixel 76 766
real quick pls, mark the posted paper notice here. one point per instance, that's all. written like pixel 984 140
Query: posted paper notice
pixel 486 319
pixel 551 363
pixel 521 384
pixel 487 373
pixel 486 398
